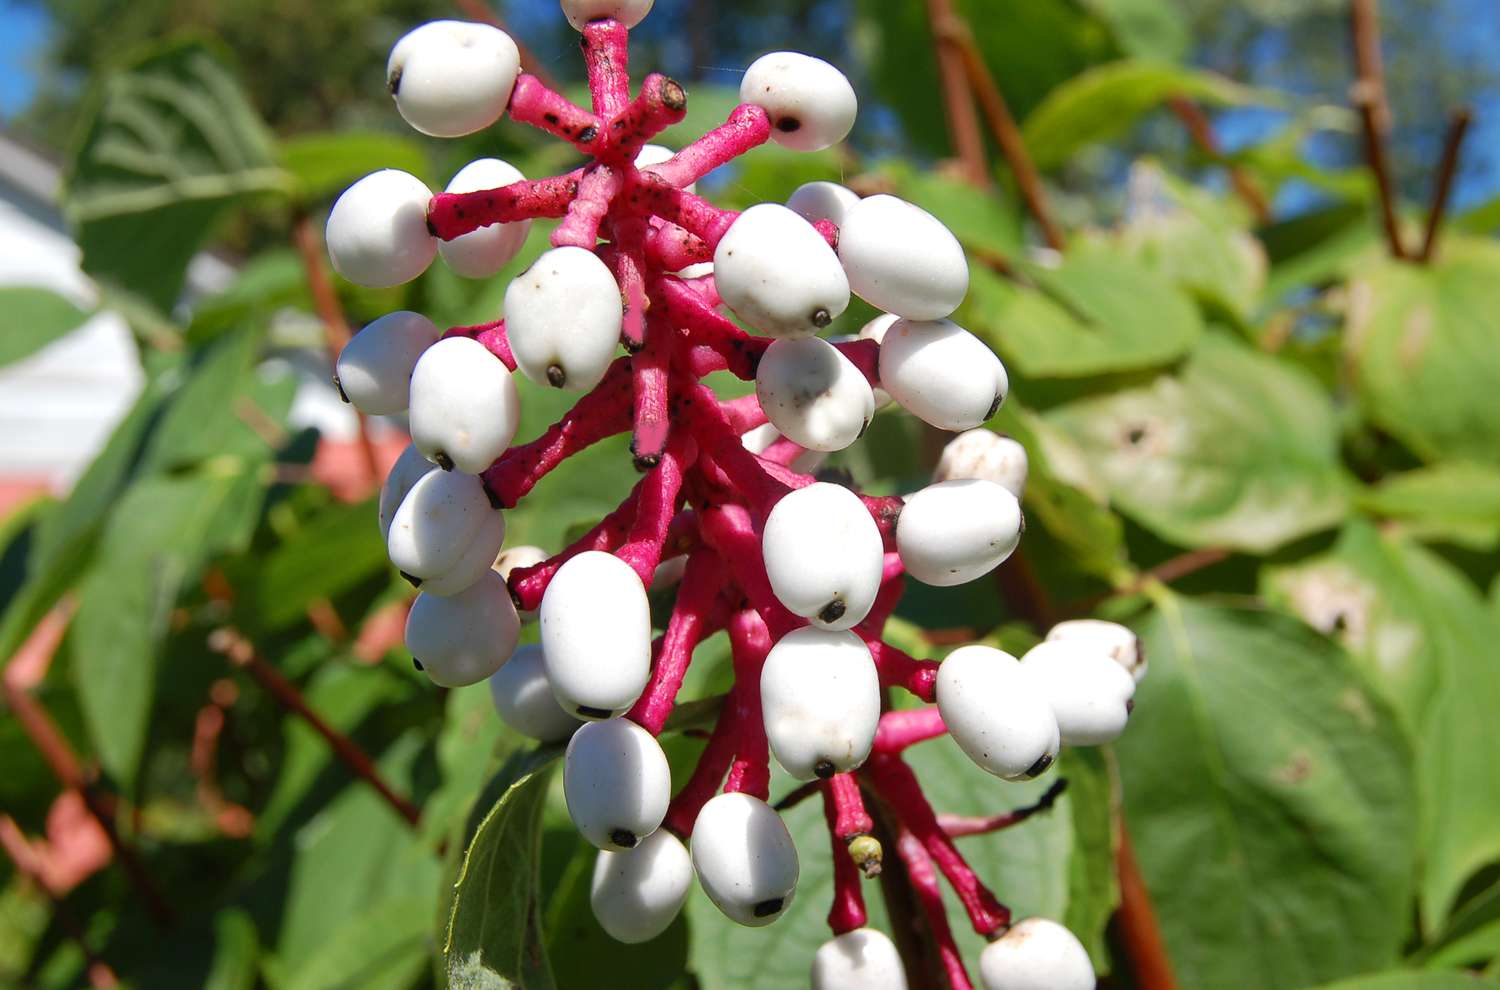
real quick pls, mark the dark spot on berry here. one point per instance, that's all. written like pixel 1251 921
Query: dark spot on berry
pixel 823 769
pixel 393 82
pixel 588 134
pixel 588 711
pixel 556 377
pixel 623 838
pixel 417 663
pixel 1135 435
pixel 864 428
pixel 821 318
pixel 339 387
pixel 442 460
pixel 787 125
pixel 995 406
pixel 1129 706
pixel 1040 766
pixel 767 908
pixel 411 579
pixel 833 611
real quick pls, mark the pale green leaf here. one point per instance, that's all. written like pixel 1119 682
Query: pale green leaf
pixel 1454 501
pixel 34 317
pixel 326 163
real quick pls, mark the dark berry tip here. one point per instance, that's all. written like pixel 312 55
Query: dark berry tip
pixel 417 663
pixel 556 377
pixel 393 81
pixel 1040 766
pixel 339 387
pixel 1129 706
pixel 823 769
pixel 833 611
pixel 673 96
pixel 995 406
pixel 821 318
pixel 589 711
pixel 496 502
pixel 623 838
pixel 411 579
pixel 768 907
pixel 442 460
pixel 787 125
pixel 645 462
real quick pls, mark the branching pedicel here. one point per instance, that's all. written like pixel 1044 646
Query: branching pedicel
pixel 801 574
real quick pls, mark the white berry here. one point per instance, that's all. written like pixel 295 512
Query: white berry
pixel 616 782
pixel 452 78
pixel 656 154
pixel 823 554
pixel 463 638
pixel 464 406
pixel 524 700
pixel 995 712
pixel 438 524
pixel 901 259
pixel 473 563
pixel 1122 645
pixel 745 859
pixel 377 230
pixel 778 274
pixel 627 12
pixel 563 315
pixel 637 892
pixel 812 394
pixel 483 252
pixel 864 959
pixel 1036 954
pixel 941 373
pixel 410 467
pixel 815 201
pixel 596 634
pixel 955 531
pixel 875 330
pixel 810 103
pixel 982 454
pixel 1090 693
pixel 374 369
pixel 517 557
pixel 820 697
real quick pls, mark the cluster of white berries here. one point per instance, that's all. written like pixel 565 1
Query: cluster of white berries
pixel 825 555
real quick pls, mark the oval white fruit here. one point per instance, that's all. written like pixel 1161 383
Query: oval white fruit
pixel 374 369
pixel 438 523
pixel 473 563
pixel 1036 954
pixel 941 373
pixel 464 406
pixel 452 78
pixel 409 468
pixel 901 259
pixel 988 456
pixel 616 782
pixel 627 12
pixel 995 713
pixel 1122 645
pixel 513 558
pixel 463 638
pixel 636 893
pixel 596 635
pixel 814 395
pixel 778 274
pixel 814 201
pixel 1089 692
pixel 864 959
pixel 483 252
pixel 820 699
pixel 955 531
pixel 823 554
pixel 377 230
pixel 563 317
pixel 745 859
pixel 524 700
pixel 810 103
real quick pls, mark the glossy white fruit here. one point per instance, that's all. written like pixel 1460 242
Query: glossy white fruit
pixel 438 524
pixel 955 531
pixel 464 406
pixel 1122 645
pixel 408 469
pixel 596 634
pixel 656 154
pixel 778 274
pixel 758 440
pixel 463 638
pixel 988 456
pixel 616 782
pixel 473 563
pixel 995 712
pixel 452 78
pixel 814 395
pixel 1089 692
pixel 901 259
pixel 820 698
pixel 745 859
pixel 810 103
pixel 637 892
pixel 941 373
pixel 823 554
pixel 1036 954
pixel 864 959
pixel 524 700
pixel 815 201
pixel 374 369
pixel 513 558
pixel 627 12
pixel 563 316
pixel 377 230
pixel 483 252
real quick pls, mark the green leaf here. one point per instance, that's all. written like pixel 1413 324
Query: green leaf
pixel 1471 937
pixel 325 164
pixel 1454 501
pixel 1093 890
pixel 34 318
pixel 1238 449
pixel 1402 980
pixel 236 962
pixel 383 946
pixel 1270 801
pixel 170 141
pixel 1315 247
pixel 980 218
pixel 1145 28
pixel 1420 342
pixel 1427 637
pixel 1082 318
pixel 494 939
pixel 333 551
pixel 1106 101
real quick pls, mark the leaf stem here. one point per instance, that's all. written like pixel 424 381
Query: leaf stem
pixel 1139 929
pixel 1458 126
pixel 1368 95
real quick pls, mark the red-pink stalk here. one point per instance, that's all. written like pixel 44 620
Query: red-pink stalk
pixel 596 190
pixel 706 327
pixel 743 414
pixel 864 355
pixel 650 370
pixel 606 57
pixel 727 529
pixel 660 104
pixel 924 882
pixel 671 248
pixel 850 820
pixel 691 212
pixel 704 782
pixel 749 642
pixel 961 825
pixel 898 669
pixel 900 729
pixel 628 262
pixel 701 583
pixel 747 127
pixel 529 584
pixel 848 910
pixel 656 504
pixel 451 215
pixel 492 335
pixel 533 102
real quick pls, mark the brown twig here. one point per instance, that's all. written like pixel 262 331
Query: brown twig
pixel 481 11
pixel 240 652
pixel 961 825
pixel 1202 133
pixel 1368 96
pixel 1458 126
pixel 958 106
pixel 1172 569
pixel 1138 927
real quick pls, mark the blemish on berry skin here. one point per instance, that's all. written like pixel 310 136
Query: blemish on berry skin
pixel 394 82
pixel 769 907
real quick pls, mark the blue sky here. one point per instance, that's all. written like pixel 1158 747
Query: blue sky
pixel 23 29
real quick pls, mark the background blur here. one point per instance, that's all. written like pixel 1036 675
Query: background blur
pixel 1256 435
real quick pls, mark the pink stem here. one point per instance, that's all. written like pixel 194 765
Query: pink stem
pixel 656 504
pixel 701 583
pixel 897 669
pixel 782 452
pixel 749 642
pixel 850 820
pixel 885 510
pixel 627 261
pixel 848 911
pixel 900 729
pixel 829 230
pixel 529 584
pixel 596 190
pixel 718 440
pixel 692 213
pixel 727 529
pixel 747 127
pixel 864 355
pixel 606 55
pixel 744 414
pixel 492 335
pixel 451 215
pixel 925 882
pixel 671 248
pixel 662 102
pixel 713 763
pixel 649 368
pixel 960 825
pixel 534 102
pixel 706 326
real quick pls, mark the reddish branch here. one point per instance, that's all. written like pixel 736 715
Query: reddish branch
pixel 1368 95
pixel 1139 930
pixel 1202 133
pixel 958 107
pixel 1447 167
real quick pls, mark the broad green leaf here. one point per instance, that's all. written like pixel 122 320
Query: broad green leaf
pixel 1405 980
pixel 980 218
pixel 325 164
pixel 1082 318
pixel 1238 449
pixel 236 962
pixel 333 551
pixel 1093 888
pixel 1315 247
pixel 1270 801
pixel 494 939
pixel 1472 935
pixel 170 140
pixel 1106 101
pixel 34 318
pixel 382 946
pixel 1427 637
pixel 1453 501
pixel 1420 340
pixel 1145 28
pixel 470 748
